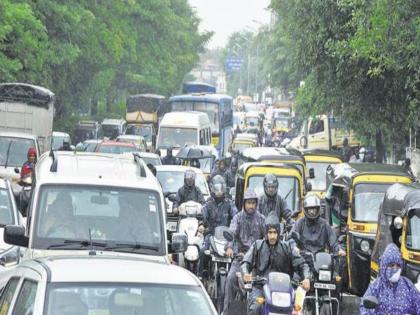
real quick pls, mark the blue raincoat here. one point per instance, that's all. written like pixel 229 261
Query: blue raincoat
pixel 394 298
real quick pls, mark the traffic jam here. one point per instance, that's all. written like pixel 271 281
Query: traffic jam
pixel 198 204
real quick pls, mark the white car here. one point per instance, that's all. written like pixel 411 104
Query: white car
pixel 102 285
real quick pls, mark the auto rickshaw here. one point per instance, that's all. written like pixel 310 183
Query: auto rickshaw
pixel 354 196
pixel 291 182
pixel 399 222
pixel 243 141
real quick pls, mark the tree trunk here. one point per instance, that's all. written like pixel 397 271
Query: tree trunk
pixel 380 148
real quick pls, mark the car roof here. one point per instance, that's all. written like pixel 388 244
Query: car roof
pixel 18 135
pixel 177 168
pixel 97 269
pixel 116 143
pixel 100 169
pixel 60 134
pixel 131 137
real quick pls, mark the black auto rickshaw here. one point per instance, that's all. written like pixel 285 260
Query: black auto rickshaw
pixel 354 198
pixel 399 223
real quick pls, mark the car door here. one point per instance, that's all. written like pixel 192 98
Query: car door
pixel 318 135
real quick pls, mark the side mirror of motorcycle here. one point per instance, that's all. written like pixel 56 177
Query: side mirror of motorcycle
pixel 17 171
pixel 311 173
pixel 370 302
pixel 179 243
pixel 228 235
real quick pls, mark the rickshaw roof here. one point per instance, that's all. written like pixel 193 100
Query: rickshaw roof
pixel 246 166
pixel 342 174
pixel 268 153
pixel 399 198
pixel 320 152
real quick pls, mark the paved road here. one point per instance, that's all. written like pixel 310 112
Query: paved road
pixel 350 305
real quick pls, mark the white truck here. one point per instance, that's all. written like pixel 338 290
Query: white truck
pixel 26 120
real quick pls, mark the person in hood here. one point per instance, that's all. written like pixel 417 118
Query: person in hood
pixel 169 159
pixel 396 294
pixel 188 192
pixel 219 210
pixel 272 202
pixel 272 255
pixel 28 166
pixel 247 226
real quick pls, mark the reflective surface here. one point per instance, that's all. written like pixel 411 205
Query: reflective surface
pixel 367 200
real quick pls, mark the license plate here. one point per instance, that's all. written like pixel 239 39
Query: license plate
pixel 324 286
pixel 171 226
pixel 221 259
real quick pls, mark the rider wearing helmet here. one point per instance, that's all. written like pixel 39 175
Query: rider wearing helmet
pixel 247 226
pixel 218 211
pixel 272 255
pixel 189 191
pixel 316 234
pixel 271 201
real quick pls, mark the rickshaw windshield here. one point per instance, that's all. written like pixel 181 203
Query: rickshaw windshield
pixel 288 189
pixel 367 200
pixel 413 230
pixel 319 183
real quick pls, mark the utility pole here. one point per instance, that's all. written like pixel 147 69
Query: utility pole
pixel 247 80
pixel 256 71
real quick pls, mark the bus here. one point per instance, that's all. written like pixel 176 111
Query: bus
pixel 197 87
pixel 218 107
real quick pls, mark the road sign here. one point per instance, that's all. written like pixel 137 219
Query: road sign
pixel 233 64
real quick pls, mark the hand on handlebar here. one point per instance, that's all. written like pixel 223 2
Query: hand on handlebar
pixel 247 278
pixel 341 253
pixel 229 252
pixel 306 285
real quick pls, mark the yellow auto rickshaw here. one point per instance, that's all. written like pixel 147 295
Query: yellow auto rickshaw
pixel 241 143
pixel 399 223
pixel 354 196
pixel 291 182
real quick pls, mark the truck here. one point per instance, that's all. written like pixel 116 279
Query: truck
pixel 323 132
pixel 142 115
pixel 26 120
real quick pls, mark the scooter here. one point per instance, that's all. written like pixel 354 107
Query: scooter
pixel 219 268
pixel 189 214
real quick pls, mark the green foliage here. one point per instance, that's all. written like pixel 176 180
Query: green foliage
pixel 91 53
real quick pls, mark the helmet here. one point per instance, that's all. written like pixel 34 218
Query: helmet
pixel 189 178
pixel 312 206
pixel 270 181
pixel 250 194
pixel 218 186
pixel 31 151
pixel 272 222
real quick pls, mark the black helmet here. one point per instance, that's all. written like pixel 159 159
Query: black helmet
pixel 312 206
pixel 270 181
pixel 272 222
pixel 218 187
pixel 189 178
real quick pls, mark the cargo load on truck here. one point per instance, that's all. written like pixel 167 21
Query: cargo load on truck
pixel 144 108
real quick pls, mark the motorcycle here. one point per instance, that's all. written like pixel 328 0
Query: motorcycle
pixel 219 268
pixel 189 214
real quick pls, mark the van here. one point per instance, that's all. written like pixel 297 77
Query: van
pixel 112 128
pixel 178 129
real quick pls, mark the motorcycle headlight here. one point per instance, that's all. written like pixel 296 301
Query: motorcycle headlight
pixel 281 299
pixel 10 257
pixel 364 246
pixel 398 223
pixel 324 275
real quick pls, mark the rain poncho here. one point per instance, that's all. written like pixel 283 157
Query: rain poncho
pixel 399 298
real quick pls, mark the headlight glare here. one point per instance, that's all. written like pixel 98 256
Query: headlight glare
pixel 324 275
pixel 281 299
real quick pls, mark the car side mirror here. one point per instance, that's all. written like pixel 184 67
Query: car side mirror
pixel 311 173
pixel 308 187
pixel 179 242
pixel 17 171
pixel 228 235
pixel 15 235
pixel 370 302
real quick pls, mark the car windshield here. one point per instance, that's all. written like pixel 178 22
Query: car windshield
pixel 125 299
pixel 367 200
pixel 110 215
pixel 177 137
pixel 288 188
pixel 111 131
pixel 153 161
pixel 144 131
pixel 6 212
pixel 13 151
pixel 171 181
pixel 413 230
pixel 281 122
pixel 90 146
pixel 82 134
pixel 57 142
pixel 116 149
pixel 319 183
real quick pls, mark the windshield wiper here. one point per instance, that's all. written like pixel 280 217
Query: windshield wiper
pixel 122 246
pixel 81 243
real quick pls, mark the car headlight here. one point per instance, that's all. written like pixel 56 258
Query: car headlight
pixel 364 246
pixel 10 257
pixel 324 275
pixel 281 299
